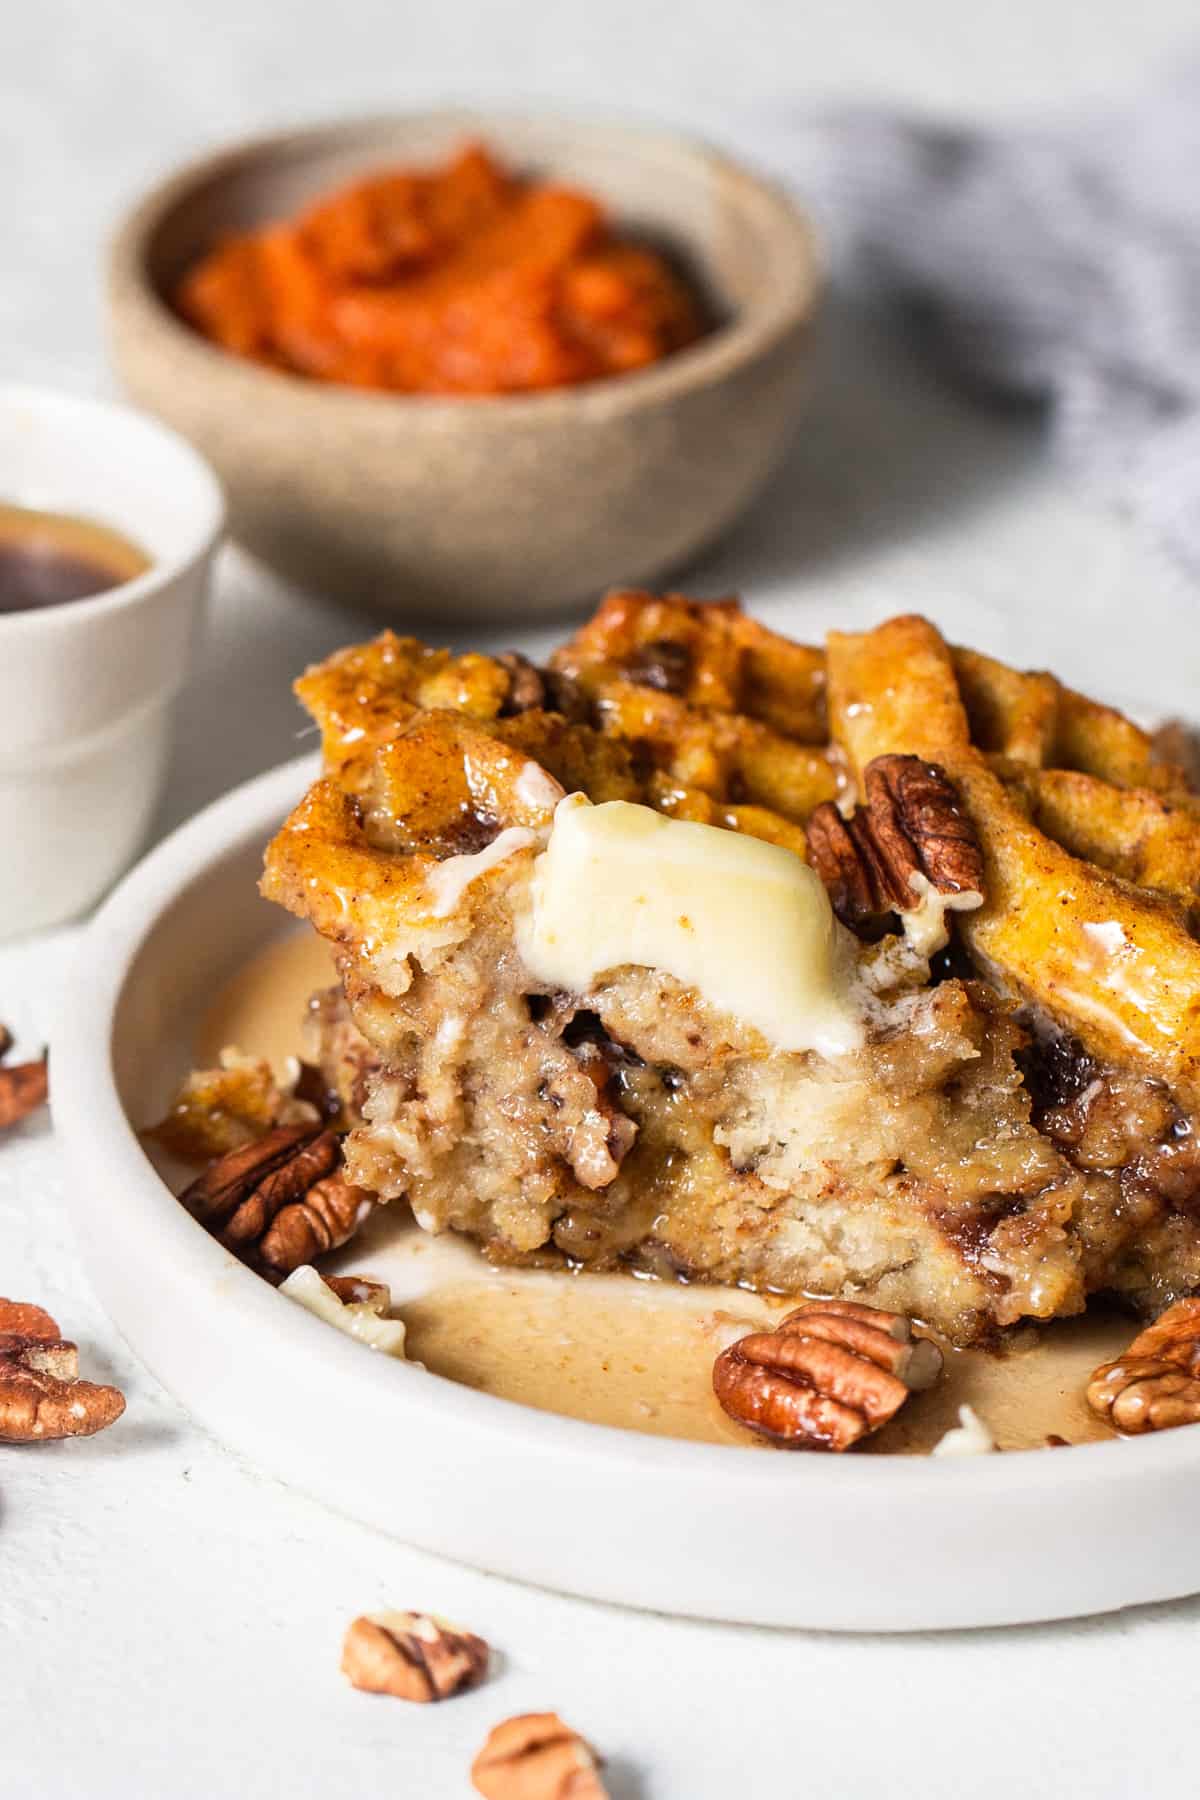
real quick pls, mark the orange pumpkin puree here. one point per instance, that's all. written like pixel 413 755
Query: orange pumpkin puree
pixel 465 279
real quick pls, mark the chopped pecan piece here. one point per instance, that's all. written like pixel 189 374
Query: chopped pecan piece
pixel 413 1656
pixel 314 1090
pixel 6 1041
pixel 602 1135
pixel 23 1086
pixel 534 689
pixel 279 1202
pixel 663 664
pixel 360 1290
pixel 526 684
pixel 41 1395
pixel 536 1757
pixel 1156 1384
pixel 352 1303
pixel 911 836
pixel 829 1374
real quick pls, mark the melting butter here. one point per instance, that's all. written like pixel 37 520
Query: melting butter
pixel 744 922
pixel 451 879
pixel 363 1320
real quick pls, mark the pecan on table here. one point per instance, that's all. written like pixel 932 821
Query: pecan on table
pixel 536 1757
pixel 832 1372
pixel 413 1656
pixel 912 826
pixel 1156 1384
pixel 41 1395
pixel 23 1086
pixel 281 1201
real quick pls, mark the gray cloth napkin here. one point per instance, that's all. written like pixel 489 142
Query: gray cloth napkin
pixel 1057 265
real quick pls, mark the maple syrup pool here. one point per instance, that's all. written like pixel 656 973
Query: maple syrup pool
pixel 615 1349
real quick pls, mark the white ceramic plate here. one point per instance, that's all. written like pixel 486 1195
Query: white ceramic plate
pixel 844 1543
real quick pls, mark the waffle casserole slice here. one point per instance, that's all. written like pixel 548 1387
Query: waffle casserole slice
pixel 973 1104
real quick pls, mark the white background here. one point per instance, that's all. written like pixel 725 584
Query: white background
pixel 169 1620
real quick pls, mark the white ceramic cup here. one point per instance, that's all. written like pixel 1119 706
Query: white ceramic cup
pixel 86 687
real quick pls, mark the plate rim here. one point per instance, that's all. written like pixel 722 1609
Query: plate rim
pixel 93 1123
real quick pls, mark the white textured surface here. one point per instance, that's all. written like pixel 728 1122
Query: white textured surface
pixel 169 1621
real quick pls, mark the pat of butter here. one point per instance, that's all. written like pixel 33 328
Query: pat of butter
pixel 744 922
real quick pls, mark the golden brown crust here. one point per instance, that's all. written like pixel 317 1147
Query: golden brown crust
pixel 931 1173
pixel 1112 963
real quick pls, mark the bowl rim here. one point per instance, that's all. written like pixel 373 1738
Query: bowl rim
pixel 94 1124
pixel 751 334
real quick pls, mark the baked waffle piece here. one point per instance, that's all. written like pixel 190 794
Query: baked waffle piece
pixel 1014 1130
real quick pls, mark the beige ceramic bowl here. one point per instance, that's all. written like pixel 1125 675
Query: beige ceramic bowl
pixel 465 507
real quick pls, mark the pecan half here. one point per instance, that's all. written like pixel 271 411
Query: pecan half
pixel 281 1201
pixel 41 1395
pixel 910 836
pixel 23 1086
pixel 325 1218
pixel 829 1374
pixel 536 1757
pixel 413 1656
pixel 1156 1384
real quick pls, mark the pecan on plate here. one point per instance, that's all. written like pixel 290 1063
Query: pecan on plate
pixel 413 1656
pixel 41 1395
pixel 536 1757
pixel 1156 1384
pixel 832 1372
pixel 911 837
pixel 359 1290
pixel 23 1086
pixel 281 1201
